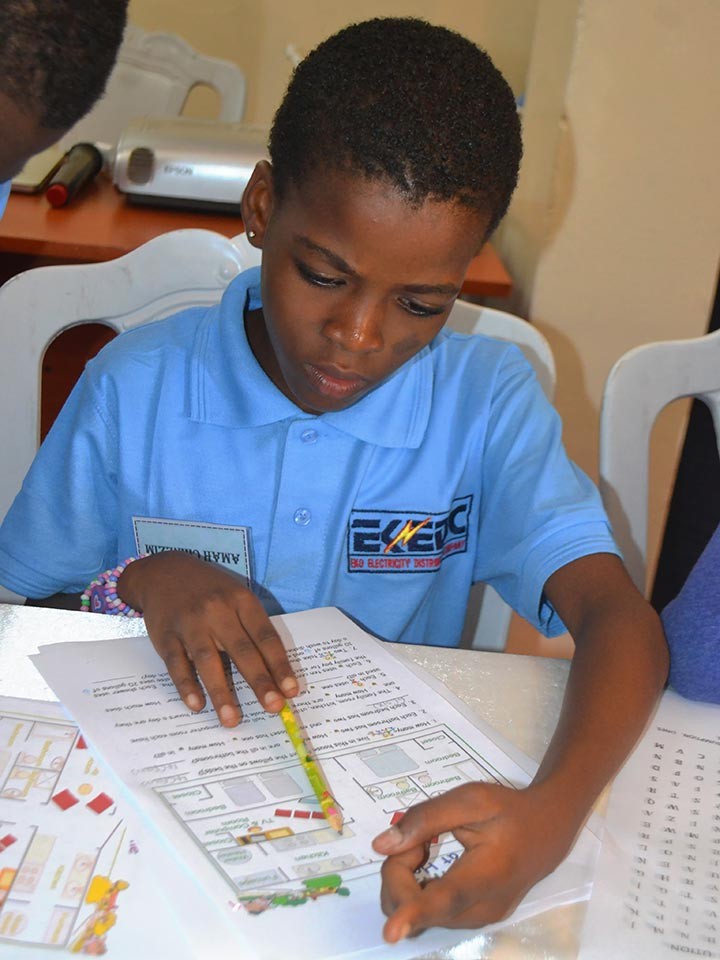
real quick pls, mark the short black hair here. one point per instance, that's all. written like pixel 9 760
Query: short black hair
pixel 401 99
pixel 55 55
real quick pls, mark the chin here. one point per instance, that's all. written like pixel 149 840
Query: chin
pixel 318 405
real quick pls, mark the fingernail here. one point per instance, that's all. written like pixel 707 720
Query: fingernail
pixel 289 686
pixel 404 931
pixel 273 701
pixel 228 715
pixel 389 838
pixel 194 701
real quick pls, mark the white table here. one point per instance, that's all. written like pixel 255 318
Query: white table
pixel 519 696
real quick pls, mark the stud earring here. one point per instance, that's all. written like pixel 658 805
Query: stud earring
pixel 251 234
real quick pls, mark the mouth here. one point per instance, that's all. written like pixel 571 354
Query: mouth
pixel 335 383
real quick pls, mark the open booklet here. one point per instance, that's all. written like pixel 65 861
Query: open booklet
pixel 234 805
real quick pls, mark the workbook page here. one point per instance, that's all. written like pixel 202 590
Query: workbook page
pixel 657 889
pixel 236 804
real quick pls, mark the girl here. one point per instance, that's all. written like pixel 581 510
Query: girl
pixel 373 461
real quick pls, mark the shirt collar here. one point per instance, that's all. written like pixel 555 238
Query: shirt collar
pixel 229 388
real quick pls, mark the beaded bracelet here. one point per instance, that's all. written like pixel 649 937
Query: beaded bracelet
pixel 101 596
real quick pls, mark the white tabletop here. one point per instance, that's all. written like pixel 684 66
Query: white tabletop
pixel 519 696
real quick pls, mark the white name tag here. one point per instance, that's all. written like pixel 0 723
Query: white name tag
pixel 229 546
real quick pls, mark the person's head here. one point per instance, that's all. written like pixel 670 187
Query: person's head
pixel 394 155
pixel 55 57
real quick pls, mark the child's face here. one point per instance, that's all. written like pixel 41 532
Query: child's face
pixel 355 281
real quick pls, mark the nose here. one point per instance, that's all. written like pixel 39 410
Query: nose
pixel 357 328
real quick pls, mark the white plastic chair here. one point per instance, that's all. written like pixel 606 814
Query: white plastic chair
pixel 488 616
pixel 641 383
pixel 184 268
pixel 153 76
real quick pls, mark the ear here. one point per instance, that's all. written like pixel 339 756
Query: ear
pixel 257 203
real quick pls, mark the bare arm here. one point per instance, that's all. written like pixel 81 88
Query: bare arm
pixel 513 838
pixel 618 671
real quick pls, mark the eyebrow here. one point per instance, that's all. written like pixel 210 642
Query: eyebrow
pixel 447 289
pixel 328 255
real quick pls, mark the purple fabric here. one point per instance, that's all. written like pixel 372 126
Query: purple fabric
pixel 692 627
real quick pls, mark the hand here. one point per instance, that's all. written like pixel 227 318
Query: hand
pixel 512 839
pixel 196 613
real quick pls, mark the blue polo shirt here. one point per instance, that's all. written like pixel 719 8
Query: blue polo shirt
pixel 449 472
pixel 4 194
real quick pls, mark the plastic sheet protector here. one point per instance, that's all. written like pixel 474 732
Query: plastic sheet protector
pixel 235 807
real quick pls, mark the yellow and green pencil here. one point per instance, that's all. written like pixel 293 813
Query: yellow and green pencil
pixel 327 802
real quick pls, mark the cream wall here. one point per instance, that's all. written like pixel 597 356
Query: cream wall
pixel 614 235
pixel 255 34
pixel 632 228
pixel 631 233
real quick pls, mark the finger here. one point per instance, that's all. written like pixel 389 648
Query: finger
pixel 210 669
pixel 432 817
pixel 251 666
pixel 228 670
pixel 223 637
pixel 428 909
pixel 181 670
pixel 266 639
pixel 461 898
pixel 399 882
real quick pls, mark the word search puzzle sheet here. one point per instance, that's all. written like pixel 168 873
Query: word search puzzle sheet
pixel 237 808
pixel 657 888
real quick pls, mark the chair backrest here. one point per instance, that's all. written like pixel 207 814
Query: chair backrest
pixel 180 269
pixel 153 75
pixel 641 383
pixel 488 616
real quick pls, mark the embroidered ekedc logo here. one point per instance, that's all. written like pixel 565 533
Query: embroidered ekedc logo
pixel 406 542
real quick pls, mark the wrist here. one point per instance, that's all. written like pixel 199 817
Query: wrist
pixel 565 803
pixel 102 596
pixel 152 577
pixel 129 584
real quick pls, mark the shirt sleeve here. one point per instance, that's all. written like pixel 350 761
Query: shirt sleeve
pixel 692 628
pixel 539 511
pixel 58 533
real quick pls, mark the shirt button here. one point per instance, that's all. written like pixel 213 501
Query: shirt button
pixel 309 436
pixel 302 517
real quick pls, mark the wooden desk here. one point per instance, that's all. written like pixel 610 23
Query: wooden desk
pixel 520 696
pixel 101 225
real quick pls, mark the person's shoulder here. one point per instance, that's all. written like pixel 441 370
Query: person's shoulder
pixel 477 360
pixel 173 336
pixel 477 346
pixel 175 331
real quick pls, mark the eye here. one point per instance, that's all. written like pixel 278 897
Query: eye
pixel 317 279
pixel 420 309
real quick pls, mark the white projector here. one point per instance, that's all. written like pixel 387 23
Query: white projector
pixel 181 162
